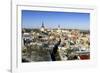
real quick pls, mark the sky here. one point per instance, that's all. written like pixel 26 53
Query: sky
pixel 68 20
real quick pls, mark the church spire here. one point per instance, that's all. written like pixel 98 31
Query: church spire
pixel 42 25
pixel 58 26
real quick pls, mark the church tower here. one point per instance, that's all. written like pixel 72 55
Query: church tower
pixel 42 27
pixel 59 29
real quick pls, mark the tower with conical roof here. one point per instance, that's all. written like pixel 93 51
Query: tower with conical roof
pixel 59 30
pixel 58 27
pixel 42 27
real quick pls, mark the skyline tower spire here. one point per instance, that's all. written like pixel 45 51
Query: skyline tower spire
pixel 42 24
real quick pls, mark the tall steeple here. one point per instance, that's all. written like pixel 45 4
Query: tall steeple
pixel 42 25
pixel 58 26
pixel 59 30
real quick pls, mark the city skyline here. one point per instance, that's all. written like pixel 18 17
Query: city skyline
pixel 68 20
